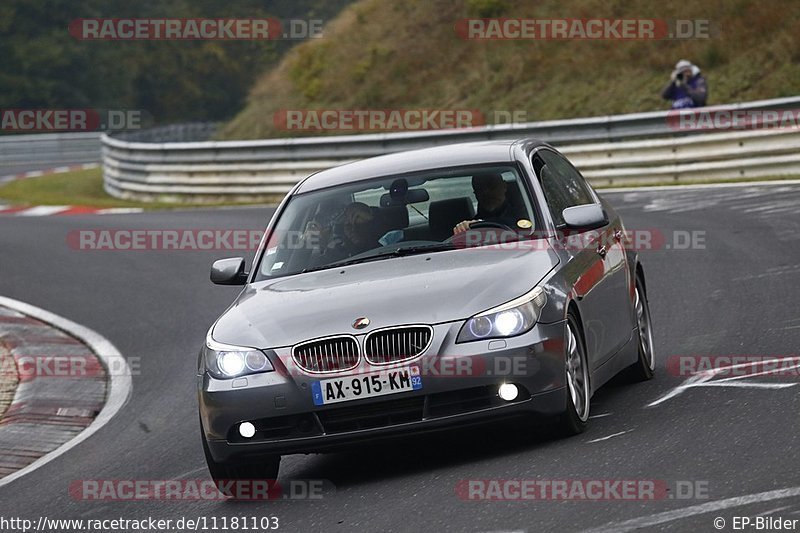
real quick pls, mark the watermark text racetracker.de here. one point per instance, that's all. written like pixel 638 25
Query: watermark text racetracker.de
pixel 442 365
pixel 580 489
pixel 27 367
pixel 777 366
pixel 376 119
pixel 582 29
pixel 19 120
pixel 192 29
pixel 179 239
pixel 705 119
pixel 222 239
pixel 310 120
pixel 177 490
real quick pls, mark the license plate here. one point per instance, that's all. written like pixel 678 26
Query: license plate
pixel 336 390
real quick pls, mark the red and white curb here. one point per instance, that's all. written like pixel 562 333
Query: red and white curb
pixel 50 210
pixel 51 415
pixel 47 172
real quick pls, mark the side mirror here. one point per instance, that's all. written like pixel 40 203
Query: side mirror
pixel 585 217
pixel 229 271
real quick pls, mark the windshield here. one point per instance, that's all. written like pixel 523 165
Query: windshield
pixel 397 215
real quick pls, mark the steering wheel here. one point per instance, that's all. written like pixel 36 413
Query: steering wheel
pixel 489 224
pixel 481 224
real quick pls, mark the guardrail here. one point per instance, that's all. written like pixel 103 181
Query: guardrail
pixel 19 152
pixel 618 149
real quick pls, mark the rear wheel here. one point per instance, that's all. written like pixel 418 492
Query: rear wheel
pixel 644 368
pixel 263 468
pixel 576 413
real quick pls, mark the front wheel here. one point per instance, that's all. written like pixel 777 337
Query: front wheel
pixel 264 468
pixel 576 413
pixel 644 368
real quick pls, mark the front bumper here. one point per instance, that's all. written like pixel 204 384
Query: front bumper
pixel 459 387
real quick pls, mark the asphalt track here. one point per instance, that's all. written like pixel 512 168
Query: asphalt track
pixel 736 295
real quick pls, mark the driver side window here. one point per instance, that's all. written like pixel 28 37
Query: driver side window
pixel 563 185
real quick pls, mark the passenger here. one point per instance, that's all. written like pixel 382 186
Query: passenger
pixel 358 234
pixel 493 205
pixel 687 87
pixel 359 229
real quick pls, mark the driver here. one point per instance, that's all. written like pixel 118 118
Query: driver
pixel 493 206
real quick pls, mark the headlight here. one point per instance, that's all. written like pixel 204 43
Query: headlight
pixel 512 318
pixel 226 361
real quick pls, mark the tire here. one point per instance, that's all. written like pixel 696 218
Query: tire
pixel 644 368
pixel 262 468
pixel 576 413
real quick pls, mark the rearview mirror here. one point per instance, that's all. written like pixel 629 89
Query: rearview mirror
pixel 229 271
pixel 585 217
pixel 411 196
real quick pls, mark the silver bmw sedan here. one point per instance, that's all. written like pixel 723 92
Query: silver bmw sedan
pixel 419 291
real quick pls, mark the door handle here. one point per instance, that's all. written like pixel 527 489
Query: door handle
pixel 602 251
pixel 618 235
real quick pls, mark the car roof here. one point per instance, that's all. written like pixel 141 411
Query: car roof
pixel 451 155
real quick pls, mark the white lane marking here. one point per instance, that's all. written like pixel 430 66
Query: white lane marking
pixel 601 415
pixel 776 271
pixel 42 210
pixel 697 186
pixel 748 385
pixel 677 514
pixel 702 379
pixel 690 381
pixel 609 437
pixel 762 373
pixel 765 513
pixel 120 384
pixel 119 210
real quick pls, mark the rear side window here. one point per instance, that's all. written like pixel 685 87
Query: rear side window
pixel 563 185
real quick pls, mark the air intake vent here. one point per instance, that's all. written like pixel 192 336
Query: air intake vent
pixel 393 345
pixel 331 354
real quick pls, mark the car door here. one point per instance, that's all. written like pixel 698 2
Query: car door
pixel 596 262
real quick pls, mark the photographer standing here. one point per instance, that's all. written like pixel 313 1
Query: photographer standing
pixel 687 87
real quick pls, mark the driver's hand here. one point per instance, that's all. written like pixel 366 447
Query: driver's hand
pixel 461 227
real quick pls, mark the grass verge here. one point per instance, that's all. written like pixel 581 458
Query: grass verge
pixel 80 187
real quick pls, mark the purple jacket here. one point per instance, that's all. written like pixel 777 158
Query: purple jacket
pixel 693 93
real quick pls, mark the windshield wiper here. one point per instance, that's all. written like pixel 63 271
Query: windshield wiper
pixel 397 252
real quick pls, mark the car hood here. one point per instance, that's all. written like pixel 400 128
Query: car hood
pixel 420 289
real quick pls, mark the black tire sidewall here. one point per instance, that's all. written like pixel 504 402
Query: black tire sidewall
pixel 571 424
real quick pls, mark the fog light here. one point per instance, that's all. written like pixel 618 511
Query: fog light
pixel 508 391
pixel 247 430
